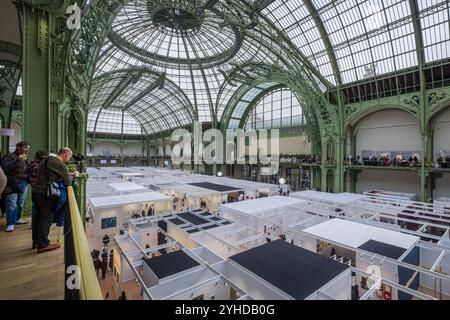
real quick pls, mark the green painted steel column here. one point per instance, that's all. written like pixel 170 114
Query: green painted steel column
pixel 323 168
pixel 425 185
pixel 339 169
pixel 36 60
pixel 353 173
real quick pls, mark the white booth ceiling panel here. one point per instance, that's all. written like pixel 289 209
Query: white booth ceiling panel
pixel 355 234
pixel 126 186
pixel 341 198
pixel 263 204
pixel 123 199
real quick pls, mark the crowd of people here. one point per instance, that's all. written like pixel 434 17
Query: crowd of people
pixel 443 161
pixel 48 176
pixel 103 262
pixel 384 160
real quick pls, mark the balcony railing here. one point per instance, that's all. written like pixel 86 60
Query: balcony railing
pixel 77 253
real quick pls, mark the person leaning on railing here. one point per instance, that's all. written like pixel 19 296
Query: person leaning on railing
pixel 53 169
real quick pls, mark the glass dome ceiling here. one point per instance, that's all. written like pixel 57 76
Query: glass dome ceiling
pixel 206 50
pixel 174 34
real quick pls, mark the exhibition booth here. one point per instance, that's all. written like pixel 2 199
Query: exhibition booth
pixel 392 194
pixel 338 237
pixel 126 187
pixel 171 271
pixel 109 213
pixel 327 198
pixel 228 193
pixel 188 196
pixel 256 206
pixel 298 273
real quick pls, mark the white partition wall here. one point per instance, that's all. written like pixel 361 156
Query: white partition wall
pixel 338 288
pixel 181 236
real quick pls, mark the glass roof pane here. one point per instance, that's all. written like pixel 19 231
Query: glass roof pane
pixel 110 121
pixel 209 58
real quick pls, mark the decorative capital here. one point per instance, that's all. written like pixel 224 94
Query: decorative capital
pixel 17 116
pixel 435 97
pixel 412 104
pixel 350 110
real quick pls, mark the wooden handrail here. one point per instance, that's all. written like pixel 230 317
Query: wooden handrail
pixel 89 285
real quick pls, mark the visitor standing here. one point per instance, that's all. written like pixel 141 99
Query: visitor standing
pixel 3 181
pixel 34 170
pixel 15 167
pixel 52 170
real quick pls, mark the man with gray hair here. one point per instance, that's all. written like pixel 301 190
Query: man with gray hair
pixel 53 169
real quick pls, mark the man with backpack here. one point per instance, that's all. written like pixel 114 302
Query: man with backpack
pixel 52 170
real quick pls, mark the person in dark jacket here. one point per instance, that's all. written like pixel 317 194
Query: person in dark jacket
pixel 15 167
pixel 104 266
pixel 34 170
pixel 53 169
pixel 3 181
pixel 123 296
pixel 105 240
pixel 97 265
pixel 111 260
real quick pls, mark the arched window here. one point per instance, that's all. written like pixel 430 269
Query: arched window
pixel 278 109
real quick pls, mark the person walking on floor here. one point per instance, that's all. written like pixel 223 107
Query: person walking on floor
pixel 53 169
pixel 111 260
pixel 123 296
pixel 104 266
pixel 105 240
pixel 15 167
pixel 97 265
pixel 34 170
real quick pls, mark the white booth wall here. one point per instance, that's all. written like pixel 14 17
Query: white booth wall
pixel 214 291
pixel 146 237
pixel 149 277
pixel 442 142
pixel 212 199
pixel 252 286
pixel 369 264
pixel 181 236
pixel 427 259
pixel 123 214
pixel 364 262
pixel 388 130
pixel 339 288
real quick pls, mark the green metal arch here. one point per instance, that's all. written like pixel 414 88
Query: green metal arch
pixel 193 114
pixel 443 107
